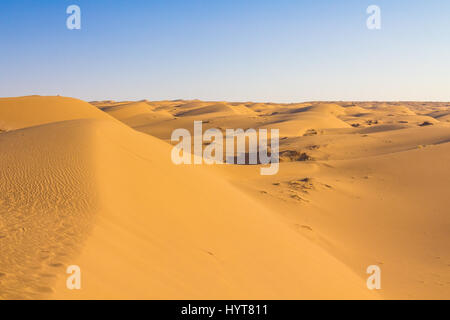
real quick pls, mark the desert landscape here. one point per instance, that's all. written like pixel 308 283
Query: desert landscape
pixel 92 184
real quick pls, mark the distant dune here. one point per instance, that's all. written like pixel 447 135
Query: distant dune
pixel 93 185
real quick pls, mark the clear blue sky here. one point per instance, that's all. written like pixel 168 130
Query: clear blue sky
pixel 259 50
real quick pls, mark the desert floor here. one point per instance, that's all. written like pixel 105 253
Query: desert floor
pixel 93 185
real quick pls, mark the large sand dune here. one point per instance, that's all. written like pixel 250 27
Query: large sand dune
pixel 80 188
pixel 16 113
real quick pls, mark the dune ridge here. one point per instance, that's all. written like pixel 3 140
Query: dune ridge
pixel 22 112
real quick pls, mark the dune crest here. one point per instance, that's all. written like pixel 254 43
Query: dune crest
pixel 17 113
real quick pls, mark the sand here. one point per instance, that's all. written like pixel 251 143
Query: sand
pixel 93 185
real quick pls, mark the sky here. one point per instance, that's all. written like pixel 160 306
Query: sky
pixel 227 50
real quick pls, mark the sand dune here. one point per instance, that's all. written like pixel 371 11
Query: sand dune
pixel 127 110
pixel 137 114
pixel 47 203
pixel 360 184
pixel 384 210
pixel 99 195
pixel 218 109
pixel 208 243
pixel 365 182
pixel 301 123
pixel 16 113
